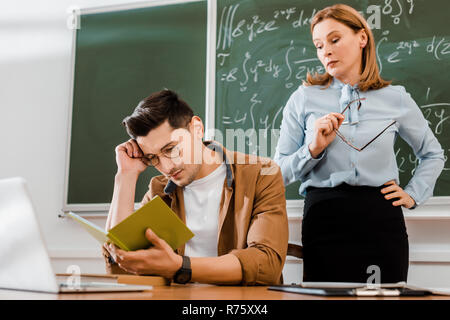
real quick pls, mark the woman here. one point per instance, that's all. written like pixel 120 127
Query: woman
pixel 353 228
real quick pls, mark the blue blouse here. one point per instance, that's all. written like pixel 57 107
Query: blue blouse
pixel 338 163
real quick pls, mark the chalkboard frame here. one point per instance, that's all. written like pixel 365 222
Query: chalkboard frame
pixel 77 13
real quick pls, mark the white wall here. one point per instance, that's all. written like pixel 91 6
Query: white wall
pixel 35 48
pixel 35 64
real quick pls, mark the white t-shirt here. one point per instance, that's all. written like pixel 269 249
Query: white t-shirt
pixel 202 203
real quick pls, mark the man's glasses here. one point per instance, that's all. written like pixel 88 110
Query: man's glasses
pixel 346 141
pixel 170 153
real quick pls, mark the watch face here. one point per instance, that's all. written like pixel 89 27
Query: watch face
pixel 183 277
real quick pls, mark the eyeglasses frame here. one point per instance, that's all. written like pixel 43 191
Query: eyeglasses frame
pixel 340 135
pixel 149 162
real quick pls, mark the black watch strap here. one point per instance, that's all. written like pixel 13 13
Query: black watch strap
pixel 183 275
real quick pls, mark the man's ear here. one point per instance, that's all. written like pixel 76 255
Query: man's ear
pixel 196 127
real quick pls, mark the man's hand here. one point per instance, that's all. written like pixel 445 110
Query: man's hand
pixel 159 259
pixel 395 191
pixel 129 167
pixel 128 158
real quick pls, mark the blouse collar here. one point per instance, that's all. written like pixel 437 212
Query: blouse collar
pixel 347 94
pixel 338 84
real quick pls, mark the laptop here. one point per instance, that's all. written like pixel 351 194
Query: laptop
pixel 24 260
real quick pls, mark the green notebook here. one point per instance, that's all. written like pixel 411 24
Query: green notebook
pixel 129 234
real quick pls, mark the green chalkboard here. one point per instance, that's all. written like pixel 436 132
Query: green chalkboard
pixel 120 58
pixel 264 50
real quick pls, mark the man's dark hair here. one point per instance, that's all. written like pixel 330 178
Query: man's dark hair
pixel 155 110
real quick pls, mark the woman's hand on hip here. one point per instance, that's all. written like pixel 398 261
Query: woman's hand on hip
pixel 324 132
pixel 393 190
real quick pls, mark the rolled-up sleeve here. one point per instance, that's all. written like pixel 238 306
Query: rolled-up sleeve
pixel 414 129
pixel 267 239
pixel 292 155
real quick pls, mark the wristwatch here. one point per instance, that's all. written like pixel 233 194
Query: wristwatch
pixel 183 275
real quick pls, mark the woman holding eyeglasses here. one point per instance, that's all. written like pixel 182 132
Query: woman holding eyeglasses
pixel 337 137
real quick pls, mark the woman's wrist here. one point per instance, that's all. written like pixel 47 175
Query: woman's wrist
pixel 314 151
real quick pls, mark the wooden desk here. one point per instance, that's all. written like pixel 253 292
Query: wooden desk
pixel 194 292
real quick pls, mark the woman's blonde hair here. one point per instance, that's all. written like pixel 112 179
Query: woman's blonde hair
pixel 370 76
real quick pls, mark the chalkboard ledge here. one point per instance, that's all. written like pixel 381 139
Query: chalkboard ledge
pixel 436 208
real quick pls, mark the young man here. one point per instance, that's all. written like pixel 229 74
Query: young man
pixel 234 203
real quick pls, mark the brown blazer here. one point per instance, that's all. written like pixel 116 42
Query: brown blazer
pixel 253 223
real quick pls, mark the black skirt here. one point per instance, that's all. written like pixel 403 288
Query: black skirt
pixel 353 234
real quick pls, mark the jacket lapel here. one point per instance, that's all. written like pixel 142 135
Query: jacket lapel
pixel 227 194
pixel 177 205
